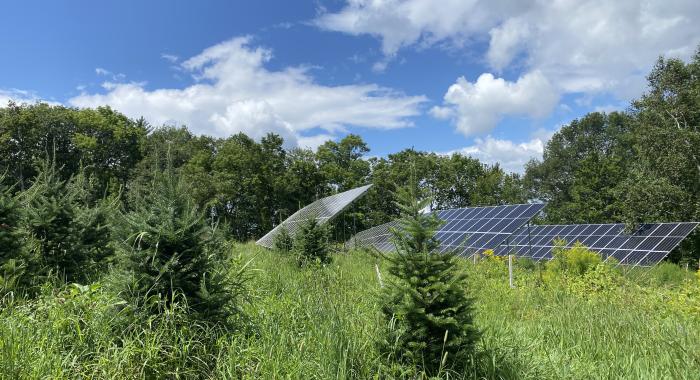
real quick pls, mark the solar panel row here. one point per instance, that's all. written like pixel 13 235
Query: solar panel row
pixel 465 230
pixel 322 210
pixel 502 228
pixel 646 246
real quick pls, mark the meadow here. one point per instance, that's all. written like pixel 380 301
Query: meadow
pixel 325 323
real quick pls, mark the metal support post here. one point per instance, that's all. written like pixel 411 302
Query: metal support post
pixel 510 271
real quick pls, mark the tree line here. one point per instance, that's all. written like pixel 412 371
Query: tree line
pixel 632 166
pixel 247 185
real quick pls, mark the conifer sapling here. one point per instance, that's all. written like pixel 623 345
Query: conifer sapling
pixel 311 243
pixel 425 301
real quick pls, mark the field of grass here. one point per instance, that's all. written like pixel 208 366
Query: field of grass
pixel 302 323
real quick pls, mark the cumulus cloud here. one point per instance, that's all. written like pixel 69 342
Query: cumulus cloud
pixel 477 107
pixel 234 92
pixel 511 156
pixel 403 23
pixel 582 46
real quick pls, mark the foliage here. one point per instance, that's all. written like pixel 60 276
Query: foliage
pixel 311 244
pixel 105 143
pixel 341 163
pixel 425 301
pixel 599 280
pixel 490 255
pixel 571 262
pixel 283 241
pixel 10 239
pixel 581 166
pixel 173 255
pixel 65 236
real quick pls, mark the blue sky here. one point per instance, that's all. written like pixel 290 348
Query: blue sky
pixel 492 79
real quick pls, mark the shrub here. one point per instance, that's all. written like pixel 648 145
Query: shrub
pixel 574 261
pixel 602 279
pixel 311 243
pixel 425 302
pixel 171 253
pixel 283 241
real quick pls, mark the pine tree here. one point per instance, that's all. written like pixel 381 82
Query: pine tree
pixel 173 253
pixel 311 243
pixel 283 241
pixel 10 239
pixel 10 242
pixel 67 238
pixel 425 301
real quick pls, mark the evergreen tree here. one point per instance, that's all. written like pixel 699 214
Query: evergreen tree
pixel 10 239
pixel 425 301
pixel 67 238
pixel 10 242
pixel 172 252
pixel 311 243
pixel 283 241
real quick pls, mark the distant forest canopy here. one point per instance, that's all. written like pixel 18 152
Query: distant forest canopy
pixel 640 165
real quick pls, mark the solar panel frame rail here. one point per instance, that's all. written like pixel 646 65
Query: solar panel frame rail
pixel 323 210
pixel 646 246
pixel 465 231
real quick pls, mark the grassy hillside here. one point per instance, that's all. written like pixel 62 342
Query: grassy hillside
pixel 302 323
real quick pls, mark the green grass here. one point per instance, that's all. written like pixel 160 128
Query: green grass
pixel 304 323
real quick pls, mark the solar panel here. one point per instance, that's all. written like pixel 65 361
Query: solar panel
pixel 465 230
pixel 475 229
pixel 646 246
pixel 322 210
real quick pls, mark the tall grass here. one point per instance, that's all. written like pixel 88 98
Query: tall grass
pixel 325 323
pixel 562 335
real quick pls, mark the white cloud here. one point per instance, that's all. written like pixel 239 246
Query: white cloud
pixel 234 92
pixel 254 118
pixel 581 46
pixel 104 72
pixel 509 155
pixel 608 108
pixel 170 57
pixel 21 97
pixel 313 142
pixel 404 23
pixel 477 107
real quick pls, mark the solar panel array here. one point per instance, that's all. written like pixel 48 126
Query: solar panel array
pixel 465 230
pixel 322 210
pixel 646 246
